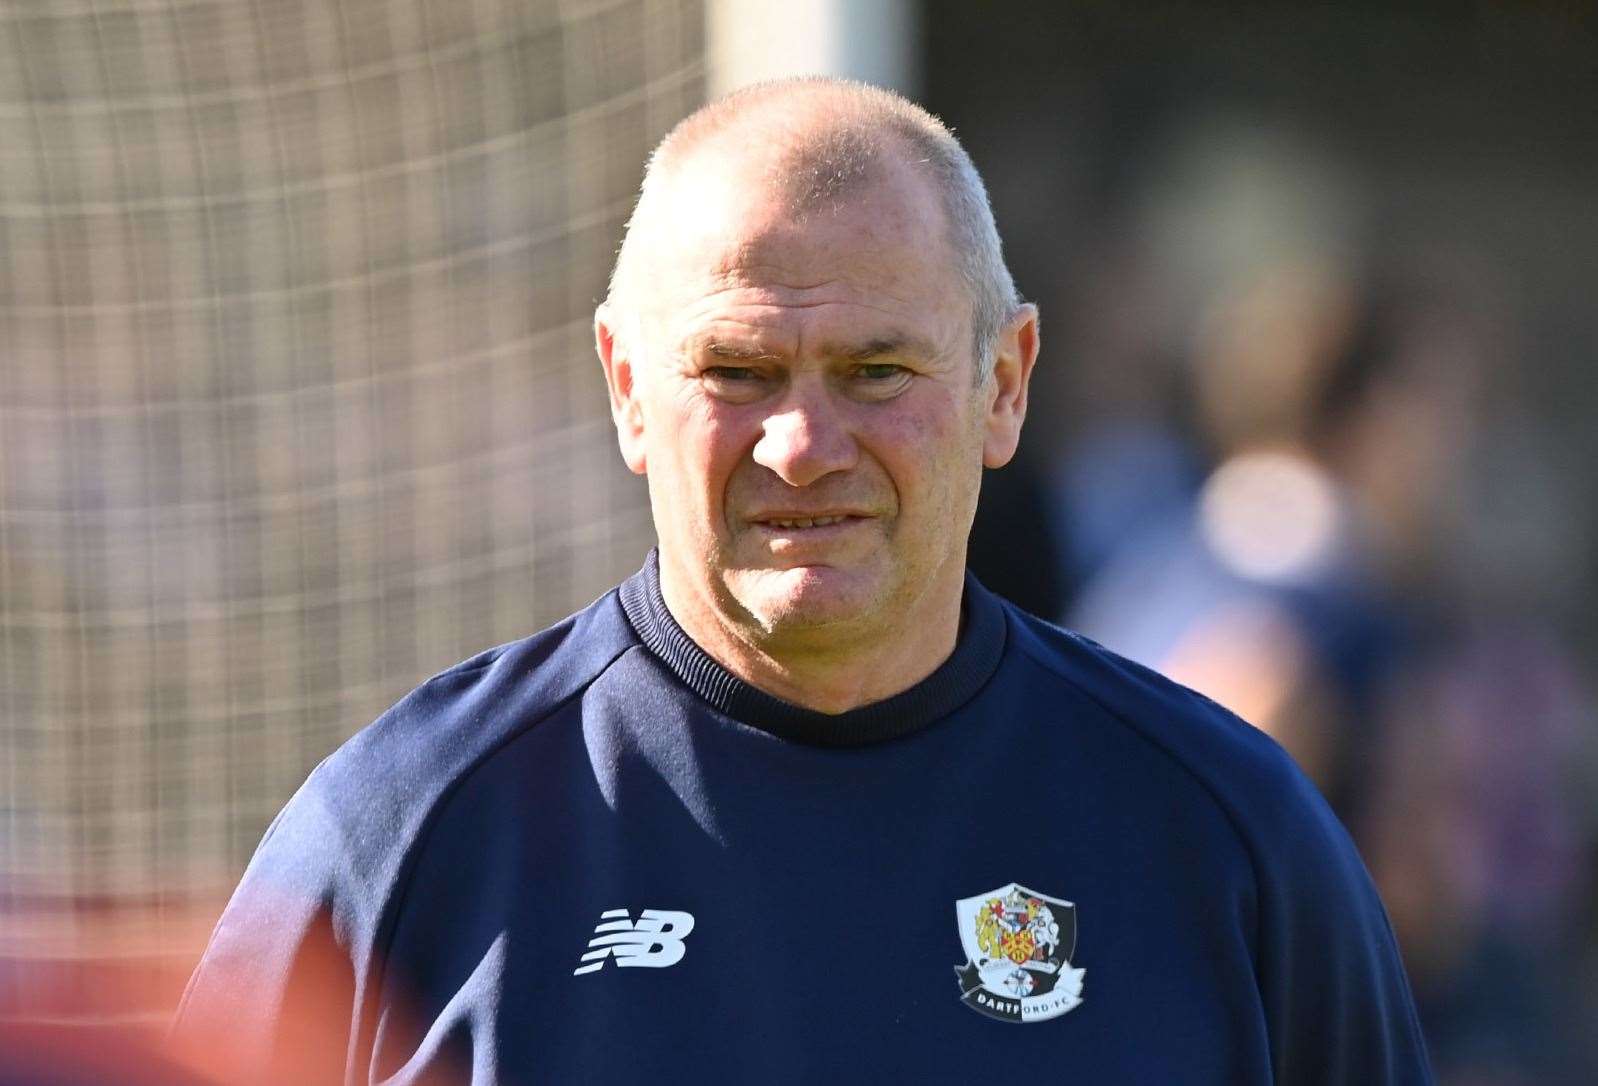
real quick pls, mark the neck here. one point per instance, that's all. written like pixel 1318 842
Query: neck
pixel 832 668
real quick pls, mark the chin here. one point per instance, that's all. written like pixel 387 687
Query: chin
pixel 808 599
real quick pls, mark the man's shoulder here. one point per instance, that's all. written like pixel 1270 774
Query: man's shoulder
pixel 333 863
pixel 1245 772
pixel 1327 966
pixel 366 805
pixel 462 714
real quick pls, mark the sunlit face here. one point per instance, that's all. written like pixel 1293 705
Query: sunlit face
pixel 803 403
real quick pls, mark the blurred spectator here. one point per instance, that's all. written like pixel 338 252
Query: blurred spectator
pixel 1266 587
pixel 1324 582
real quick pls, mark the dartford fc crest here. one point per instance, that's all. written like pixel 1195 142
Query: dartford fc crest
pixel 1018 946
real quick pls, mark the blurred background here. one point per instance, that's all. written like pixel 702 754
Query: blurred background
pixel 298 406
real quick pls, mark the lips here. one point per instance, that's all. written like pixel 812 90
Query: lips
pixel 802 522
pixel 787 520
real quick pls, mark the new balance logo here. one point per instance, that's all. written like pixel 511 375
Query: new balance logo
pixel 655 940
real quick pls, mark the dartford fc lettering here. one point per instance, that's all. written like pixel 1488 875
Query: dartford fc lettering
pixel 1047 1006
pixel 1006 1007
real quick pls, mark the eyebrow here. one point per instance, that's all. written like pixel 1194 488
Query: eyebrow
pixel 862 352
pixel 735 353
pixel 876 348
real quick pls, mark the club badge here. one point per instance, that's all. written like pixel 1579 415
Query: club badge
pixel 1018 946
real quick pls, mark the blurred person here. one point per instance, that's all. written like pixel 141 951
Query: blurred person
pixel 1273 588
pixel 1327 582
pixel 1480 823
pixel 802 799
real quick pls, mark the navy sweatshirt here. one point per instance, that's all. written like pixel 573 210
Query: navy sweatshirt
pixel 594 855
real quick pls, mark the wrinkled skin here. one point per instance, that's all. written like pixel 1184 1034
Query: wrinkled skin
pixel 786 368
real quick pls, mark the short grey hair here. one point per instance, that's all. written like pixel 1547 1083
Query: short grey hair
pixel 859 125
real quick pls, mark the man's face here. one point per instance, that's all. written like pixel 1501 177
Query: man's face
pixel 803 401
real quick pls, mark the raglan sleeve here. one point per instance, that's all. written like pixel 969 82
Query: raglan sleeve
pixel 276 995
pixel 1338 1006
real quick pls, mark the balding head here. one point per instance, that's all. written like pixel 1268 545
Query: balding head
pixel 813 144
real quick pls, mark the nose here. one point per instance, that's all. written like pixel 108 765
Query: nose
pixel 805 439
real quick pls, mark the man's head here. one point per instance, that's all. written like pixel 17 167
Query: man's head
pixel 831 137
pixel 791 346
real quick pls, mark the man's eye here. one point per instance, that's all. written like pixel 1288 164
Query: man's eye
pixel 731 373
pixel 879 380
pixel 879 371
pixel 735 384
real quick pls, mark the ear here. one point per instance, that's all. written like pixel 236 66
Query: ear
pixel 1014 354
pixel 615 355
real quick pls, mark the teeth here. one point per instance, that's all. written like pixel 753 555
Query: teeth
pixel 806 522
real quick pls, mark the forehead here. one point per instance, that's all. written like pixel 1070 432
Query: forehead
pixel 733 248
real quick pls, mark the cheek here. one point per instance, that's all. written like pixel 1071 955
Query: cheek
pixel 703 450
pixel 683 431
pixel 934 452
pixel 715 444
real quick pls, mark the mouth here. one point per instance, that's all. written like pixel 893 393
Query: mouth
pixel 786 523
pixel 789 523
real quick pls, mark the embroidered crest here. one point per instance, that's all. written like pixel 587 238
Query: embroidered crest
pixel 1018 946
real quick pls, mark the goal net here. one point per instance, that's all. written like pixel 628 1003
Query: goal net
pixel 298 404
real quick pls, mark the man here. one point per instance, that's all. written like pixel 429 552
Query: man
pixel 801 800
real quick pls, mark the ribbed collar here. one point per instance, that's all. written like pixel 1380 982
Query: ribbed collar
pixel 955 682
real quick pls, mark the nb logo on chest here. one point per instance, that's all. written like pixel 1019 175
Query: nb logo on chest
pixel 655 940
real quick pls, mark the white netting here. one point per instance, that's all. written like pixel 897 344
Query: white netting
pixel 297 394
